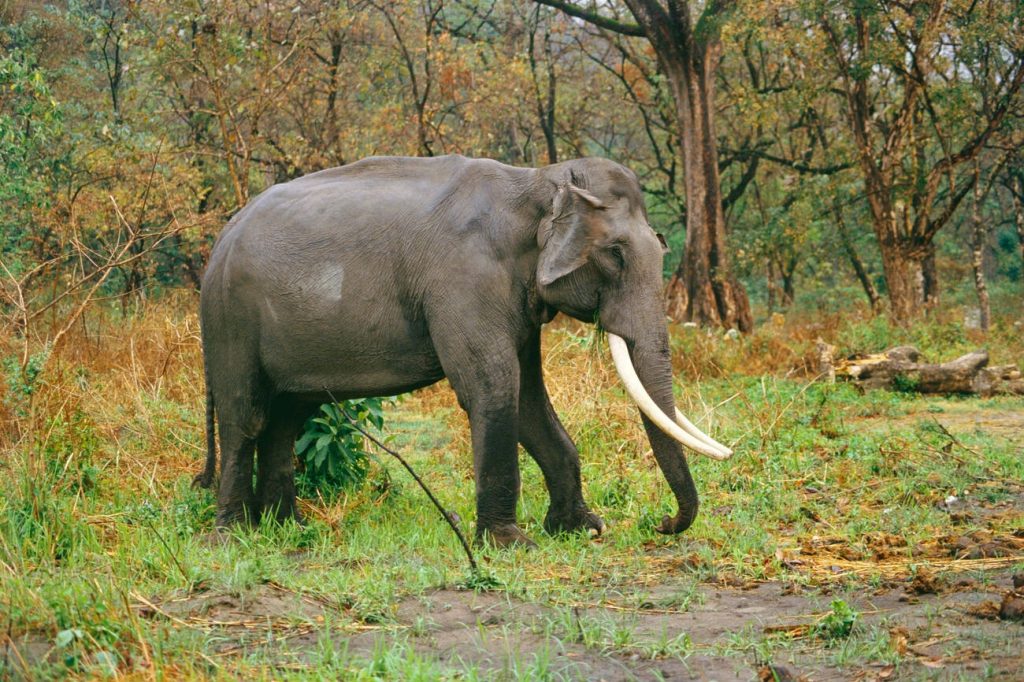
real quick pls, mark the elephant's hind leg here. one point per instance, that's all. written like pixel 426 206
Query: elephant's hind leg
pixel 235 499
pixel 275 463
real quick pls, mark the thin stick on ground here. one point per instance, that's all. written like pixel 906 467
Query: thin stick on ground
pixel 953 439
pixel 449 517
pixel 170 552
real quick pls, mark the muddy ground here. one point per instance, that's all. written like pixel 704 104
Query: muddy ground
pixel 955 633
pixel 938 627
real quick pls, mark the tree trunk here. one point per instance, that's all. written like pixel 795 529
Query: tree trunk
pixel 979 236
pixel 546 102
pixel 930 276
pixel 676 298
pixel 714 296
pixel 858 265
pixel 904 276
pixel 788 275
pixel 688 53
pixel 1018 216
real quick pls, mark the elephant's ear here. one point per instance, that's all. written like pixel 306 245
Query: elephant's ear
pixel 566 241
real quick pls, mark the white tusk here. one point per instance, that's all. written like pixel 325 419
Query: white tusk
pixel 692 429
pixel 636 390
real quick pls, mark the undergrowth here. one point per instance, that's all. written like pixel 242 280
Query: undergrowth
pixel 101 533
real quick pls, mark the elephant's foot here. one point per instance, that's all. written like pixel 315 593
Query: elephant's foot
pixel 204 479
pixel 236 516
pixel 576 519
pixel 283 512
pixel 504 535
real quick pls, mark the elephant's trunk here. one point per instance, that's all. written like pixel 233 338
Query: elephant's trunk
pixel 653 366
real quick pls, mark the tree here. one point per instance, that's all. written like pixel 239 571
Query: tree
pixel 980 234
pixel 781 158
pixel 545 94
pixel 1014 182
pixel 927 86
pixel 688 49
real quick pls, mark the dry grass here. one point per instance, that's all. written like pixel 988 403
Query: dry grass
pixel 120 377
pixel 119 413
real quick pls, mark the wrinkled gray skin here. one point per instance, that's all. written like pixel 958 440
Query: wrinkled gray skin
pixel 389 274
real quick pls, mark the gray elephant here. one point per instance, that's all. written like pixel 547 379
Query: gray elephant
pixel 390 274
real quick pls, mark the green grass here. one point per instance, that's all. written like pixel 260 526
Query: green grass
pixel 95 526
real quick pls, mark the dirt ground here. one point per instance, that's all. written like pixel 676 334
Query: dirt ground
pixel 966 417
pixel 944 629
pixel 952 634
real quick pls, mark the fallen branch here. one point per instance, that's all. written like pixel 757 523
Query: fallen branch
pixel 953 439
pixel 449 517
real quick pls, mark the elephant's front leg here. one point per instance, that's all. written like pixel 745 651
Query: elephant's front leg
pixel 544 437
pixel 484 372
pixel 494 423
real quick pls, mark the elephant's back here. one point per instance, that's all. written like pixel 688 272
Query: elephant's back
pixel 380 211
pixel 317 245
pixel 356 206
pixel 387 186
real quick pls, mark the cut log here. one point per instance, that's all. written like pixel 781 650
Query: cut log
pixel 899 369
pixel 1010 387
pixel 1004 372
pixel 962 375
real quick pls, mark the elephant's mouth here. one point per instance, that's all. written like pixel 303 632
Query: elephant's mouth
pixel 680 428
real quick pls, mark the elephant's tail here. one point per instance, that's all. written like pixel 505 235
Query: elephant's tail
pixel 204 479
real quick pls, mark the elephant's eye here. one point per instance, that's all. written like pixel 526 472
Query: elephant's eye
pixel 618 255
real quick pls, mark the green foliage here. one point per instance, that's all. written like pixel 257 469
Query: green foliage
pixel 482 581
pixel 21 380
pixel 32 156
pixel 30 120
pixel 179 114
pixel 837 624
pixel 333 454
pixel 41 509
pixel 905 383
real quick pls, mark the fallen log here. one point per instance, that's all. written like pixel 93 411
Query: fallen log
pixel 899 369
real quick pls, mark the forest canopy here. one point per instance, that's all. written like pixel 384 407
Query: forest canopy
pixel 829 151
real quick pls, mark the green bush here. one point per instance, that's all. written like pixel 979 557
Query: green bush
pixel 332 452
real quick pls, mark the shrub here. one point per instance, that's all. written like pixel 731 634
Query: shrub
pixel 332 452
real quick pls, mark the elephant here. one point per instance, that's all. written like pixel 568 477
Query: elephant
pixel 391 273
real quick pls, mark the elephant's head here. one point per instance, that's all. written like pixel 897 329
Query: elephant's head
pixel 600 260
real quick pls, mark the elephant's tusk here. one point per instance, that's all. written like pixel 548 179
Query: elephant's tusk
pixel 636 390
pixel 692 429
